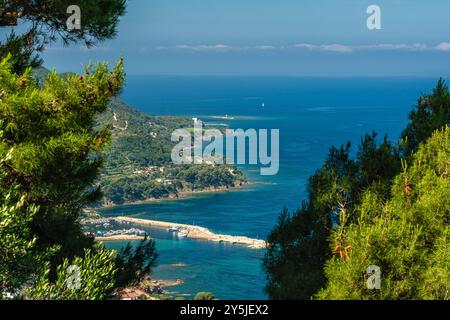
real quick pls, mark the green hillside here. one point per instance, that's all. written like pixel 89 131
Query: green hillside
pixel 138 164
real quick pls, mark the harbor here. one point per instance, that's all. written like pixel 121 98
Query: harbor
pixel 195 232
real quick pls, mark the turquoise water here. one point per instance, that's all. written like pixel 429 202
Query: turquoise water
pixel 311 113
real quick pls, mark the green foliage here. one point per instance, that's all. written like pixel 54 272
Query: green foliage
pixel 204 296
pixel 138 163
pixel 408 238
pixel 346 196
pixel 135 188
pixel 50 157
pixel 50 148
pixel 299 245
pixel 23 52
pixel 431 113
pixel 95 280
pixel 51 152
pixel 17 259
pixel 132 143
pixel 208 176
pixel 44 22
pixel 135 263
pixel 295 254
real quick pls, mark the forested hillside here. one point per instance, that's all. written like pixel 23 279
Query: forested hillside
pixel 138 164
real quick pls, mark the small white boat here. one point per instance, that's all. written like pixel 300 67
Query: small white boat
pixel 183 233
pixel 173 229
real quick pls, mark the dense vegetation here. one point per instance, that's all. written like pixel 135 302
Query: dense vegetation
pixel 50 155
pixel 138 165
pixel 388 207
pixel 137 162
pixel 407 236
pixel 51 152
pixel 54 134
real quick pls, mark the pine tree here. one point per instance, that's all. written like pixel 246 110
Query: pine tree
pixel 18 258
pixel 50 156
pixel 407 236
pixel 302 243
pixel 44 22
pixel 431 113
pixel 91 277
pixel 299 243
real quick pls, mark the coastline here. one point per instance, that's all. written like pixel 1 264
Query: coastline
pixel 121 237
pixel 183 194
pixel 197 232
pixel 194 232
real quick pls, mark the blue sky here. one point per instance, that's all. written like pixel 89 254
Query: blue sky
pixel 274 37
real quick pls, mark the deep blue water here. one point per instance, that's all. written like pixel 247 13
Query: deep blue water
pixel 312 115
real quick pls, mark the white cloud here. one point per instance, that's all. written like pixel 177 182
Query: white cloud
pixel 203 47
pixel 305 46
pixel 443 46
pixel 334 47
pixel 337 48
pixel 265 47
pixel 340 48
pixel 219 47
pixel 391 46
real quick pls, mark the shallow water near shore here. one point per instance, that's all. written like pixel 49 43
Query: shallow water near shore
pixel 312 114
pixel 205 266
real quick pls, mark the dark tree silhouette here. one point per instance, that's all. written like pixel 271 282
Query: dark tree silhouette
pixel 43 22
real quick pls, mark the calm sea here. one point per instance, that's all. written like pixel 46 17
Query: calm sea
pixel 311 113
